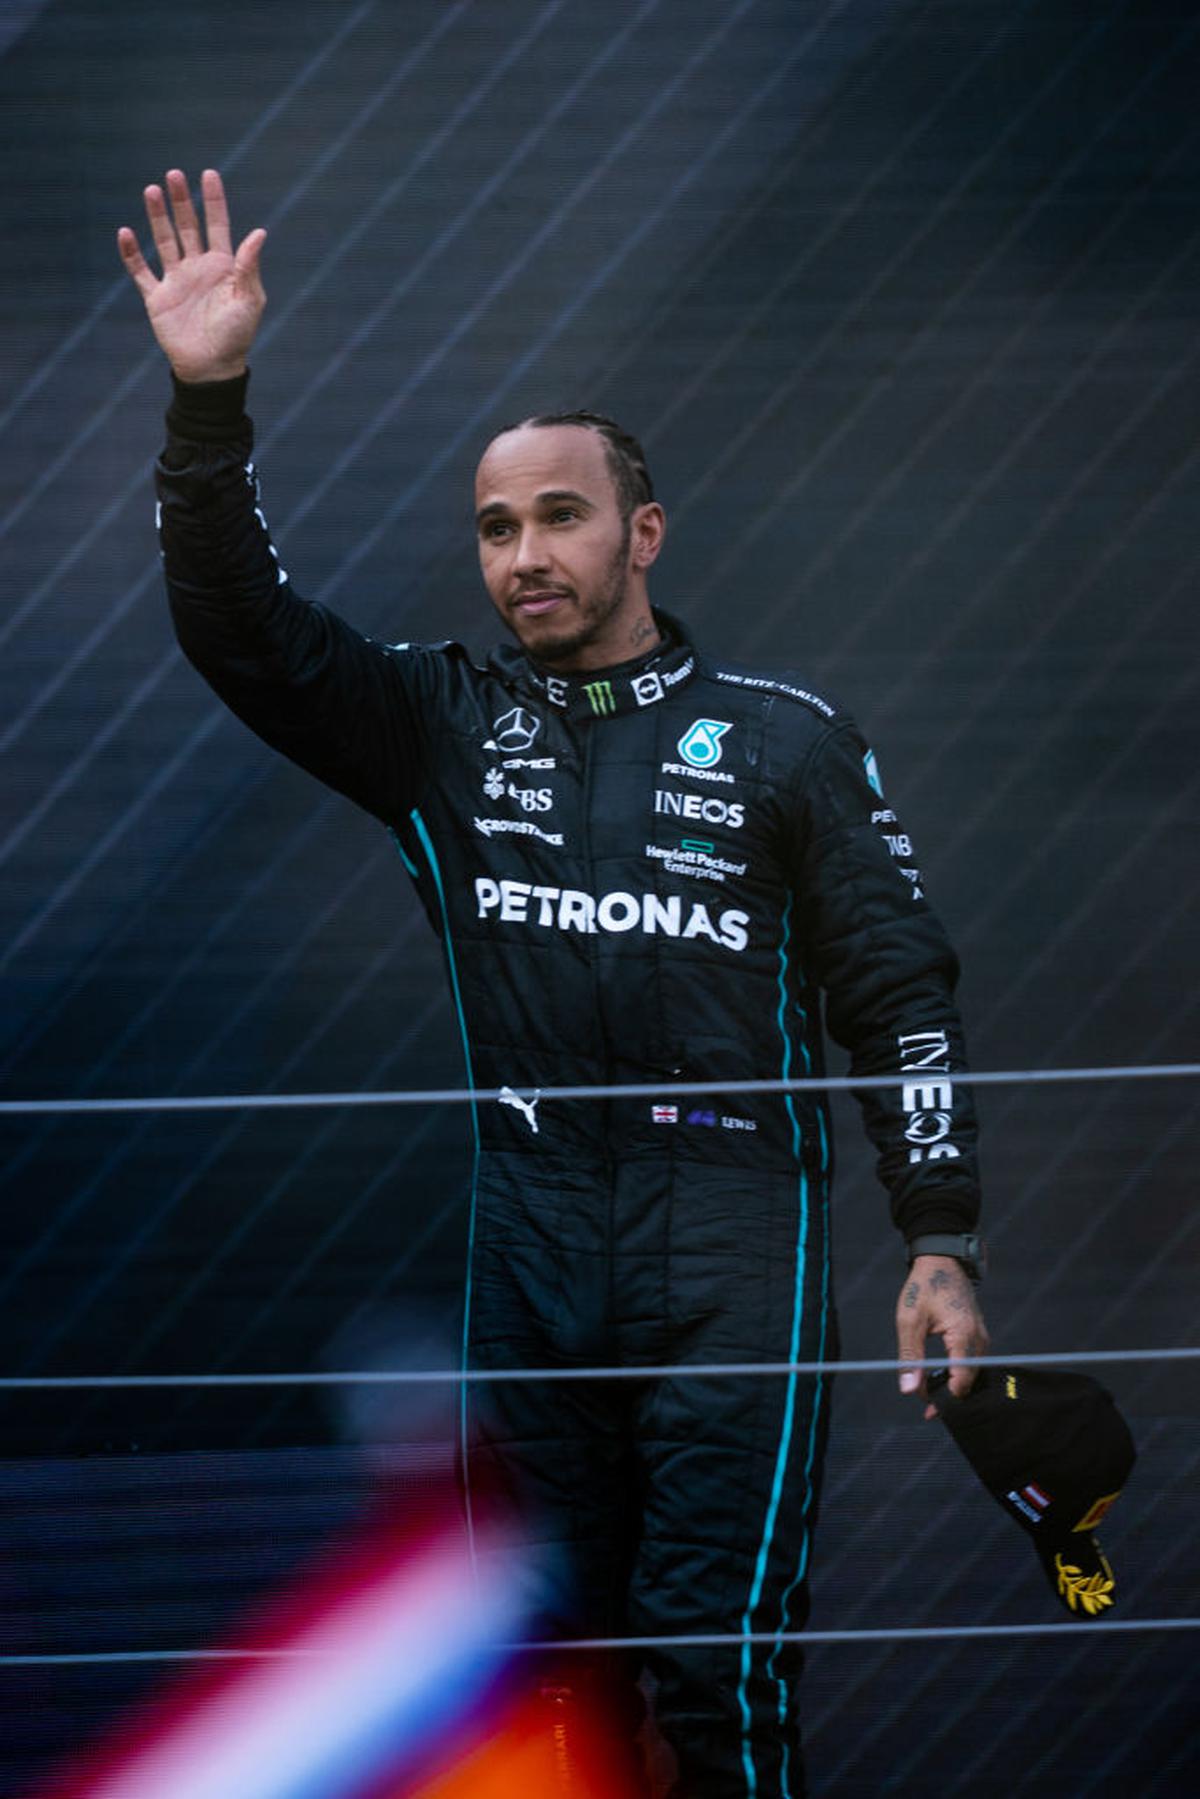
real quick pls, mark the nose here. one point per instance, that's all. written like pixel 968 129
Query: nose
pixel 530 557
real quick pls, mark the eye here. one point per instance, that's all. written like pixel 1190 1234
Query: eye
pixel 563 512
pixel 495 530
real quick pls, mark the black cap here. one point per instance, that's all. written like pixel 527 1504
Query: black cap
pixel 1055 1452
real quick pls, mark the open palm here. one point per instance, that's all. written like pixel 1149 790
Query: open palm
pixel 206 306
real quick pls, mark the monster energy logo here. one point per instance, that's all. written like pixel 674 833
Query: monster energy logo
pixel 600 696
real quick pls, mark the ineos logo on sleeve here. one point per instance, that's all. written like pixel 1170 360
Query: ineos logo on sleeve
pixel 701 742
pixel 513 731
pixel 928 1104
pixel 928 1127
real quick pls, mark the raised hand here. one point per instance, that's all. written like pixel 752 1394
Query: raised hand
pixel 205 309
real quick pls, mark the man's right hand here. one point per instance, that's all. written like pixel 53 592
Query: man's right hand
pixel 205 309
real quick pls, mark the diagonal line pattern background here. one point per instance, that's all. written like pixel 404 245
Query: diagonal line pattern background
pixel 902 298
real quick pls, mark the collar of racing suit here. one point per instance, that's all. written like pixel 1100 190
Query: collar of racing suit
pixel 606 692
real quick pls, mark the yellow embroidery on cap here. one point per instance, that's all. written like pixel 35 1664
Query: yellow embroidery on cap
pixel 1095 1512
pixel 1010 1386
pixel 1090 1591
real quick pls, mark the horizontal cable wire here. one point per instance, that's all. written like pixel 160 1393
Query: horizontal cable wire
pixel 899 1633
pixel 446 1096
pixel 1018 1712
pixel 806 1637
pixel 702 1640
pixel 81 1198
pixel 938 1519
pixel 644 224
pixel 428 1377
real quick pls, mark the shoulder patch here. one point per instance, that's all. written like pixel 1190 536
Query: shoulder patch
pixel 772 684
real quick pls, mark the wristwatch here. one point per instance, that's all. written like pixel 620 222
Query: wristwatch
pixel 967 1249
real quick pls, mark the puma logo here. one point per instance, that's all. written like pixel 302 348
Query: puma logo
pixel 507 1097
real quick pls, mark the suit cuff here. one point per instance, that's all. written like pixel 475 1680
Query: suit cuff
pixel 207 411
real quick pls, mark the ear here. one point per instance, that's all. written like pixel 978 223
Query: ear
pixel 647 528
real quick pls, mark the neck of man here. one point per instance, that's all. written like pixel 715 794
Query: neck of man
pixel 638 639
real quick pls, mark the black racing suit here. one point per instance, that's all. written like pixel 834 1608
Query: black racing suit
pixel 650 875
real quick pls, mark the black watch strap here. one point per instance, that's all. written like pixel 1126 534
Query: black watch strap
pixel 966 1248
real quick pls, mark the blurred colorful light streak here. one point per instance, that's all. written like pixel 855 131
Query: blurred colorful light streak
pixel 349 1685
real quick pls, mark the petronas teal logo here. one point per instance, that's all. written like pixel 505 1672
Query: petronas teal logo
pixel 701 743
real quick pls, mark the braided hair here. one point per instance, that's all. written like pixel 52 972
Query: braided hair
pixel 624 454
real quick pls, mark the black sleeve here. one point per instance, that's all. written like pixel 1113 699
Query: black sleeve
pixel 343 707
pixel 888 973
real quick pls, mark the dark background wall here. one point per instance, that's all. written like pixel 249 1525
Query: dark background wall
pixel 902 299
